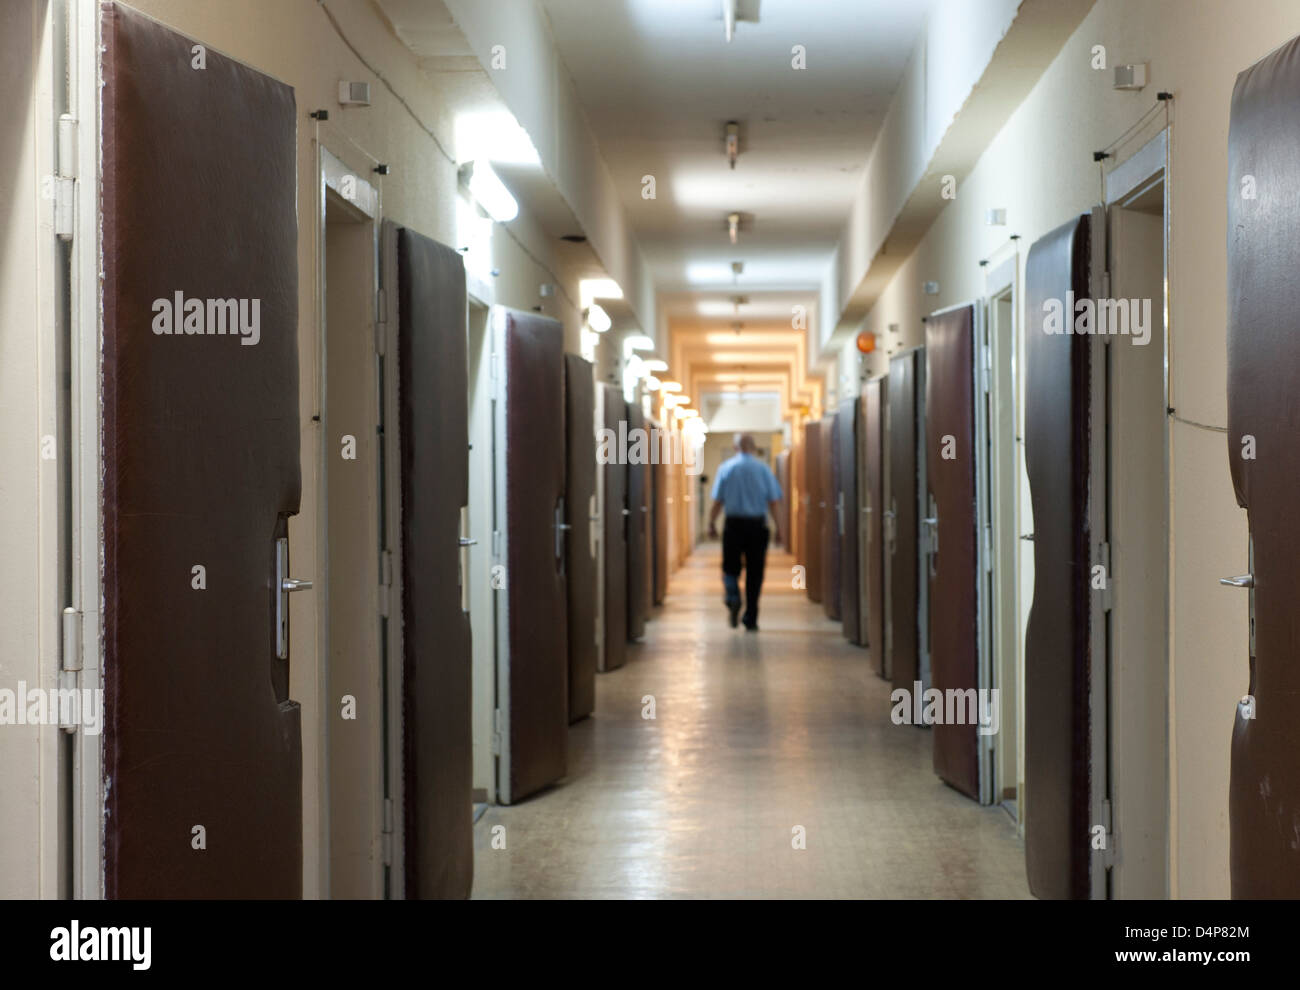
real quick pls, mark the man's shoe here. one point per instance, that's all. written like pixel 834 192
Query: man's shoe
pixel 733 612
pixel 751 627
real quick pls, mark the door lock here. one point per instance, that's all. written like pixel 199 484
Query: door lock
pixel 1240 581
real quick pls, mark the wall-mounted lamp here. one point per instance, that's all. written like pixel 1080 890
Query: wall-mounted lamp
pixel 598 319
pixel 733 226
pixel 733 142
pixel 489 191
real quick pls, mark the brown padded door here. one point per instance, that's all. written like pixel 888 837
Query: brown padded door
pixel 827 489
pixel 953 570
pixel 538 615
pixel 812 516
pixel 870 438
pixel 614 520
pixel 1057 403
pixel 437 745
pixel 637 522
pixel 1263 369
pixel 901 544
pixel 846 471
pixel 201 467
pixel 580 563
pixel 783 507
pixel 661 484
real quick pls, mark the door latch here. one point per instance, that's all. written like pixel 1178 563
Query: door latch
pixel 284 586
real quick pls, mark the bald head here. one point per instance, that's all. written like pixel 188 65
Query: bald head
pixel 745 443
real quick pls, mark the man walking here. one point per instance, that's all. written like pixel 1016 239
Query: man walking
pixel 747 489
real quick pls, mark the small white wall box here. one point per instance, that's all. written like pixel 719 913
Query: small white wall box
pixel 930 288
pixel 546 290
pixel 354 94
pixel 996 218
pixel 1131 76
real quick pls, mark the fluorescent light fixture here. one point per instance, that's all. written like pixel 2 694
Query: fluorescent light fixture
pixel 494 136
pixel 491 193
pixel 651 382
pixel 729 19
pixel 688 413
pixel 638 342
pixel 598 319
pixel 655 364
pixel 670 386
pixel 591 289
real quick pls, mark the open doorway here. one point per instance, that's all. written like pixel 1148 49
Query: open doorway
pixel 477 528
pixel 1001 402
pixel 354 704
pixel 1137 514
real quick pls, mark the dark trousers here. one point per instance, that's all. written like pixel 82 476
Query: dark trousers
pixel 744 538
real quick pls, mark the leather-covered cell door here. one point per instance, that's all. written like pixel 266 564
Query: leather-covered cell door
pixel 579 507
pixel 613 510
pixel 532 641
pixel 904 609
pixel 953 558
pixel 1058 639
pixel 827 488
pixel 783 507
pixel 812 514
pixel 662 504
pixel 437 743
pixel 846 510
pixel 1263 368
pixel 201 470
pixel 871 407
pixel 638 471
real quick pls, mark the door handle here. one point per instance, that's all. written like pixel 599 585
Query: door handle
pixel 465 541
pixel 284 586
pixel 1240 581
pixel 1027 536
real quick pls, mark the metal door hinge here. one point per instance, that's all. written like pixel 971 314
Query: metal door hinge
pixel 496 732
pixel 988 549
pixel 70 665
pixel 65 180
pixel 1107 594
pixel 1108 854
pixel 71 659
pixel 386 837
pixel 385 582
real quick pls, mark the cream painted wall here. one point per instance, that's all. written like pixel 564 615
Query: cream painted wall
pixel 1039 167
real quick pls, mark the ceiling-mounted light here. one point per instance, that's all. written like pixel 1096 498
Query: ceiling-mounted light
pixel 737 269
pixel 733 142
pixel 651 382
pixel 729 19
pixel 733 226
pixel 737 302
pixel 598 319
pixel 638 342
pixel 490 193
pixel 656 364
pixel 670 386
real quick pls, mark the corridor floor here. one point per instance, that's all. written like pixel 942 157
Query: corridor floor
pixel 753 736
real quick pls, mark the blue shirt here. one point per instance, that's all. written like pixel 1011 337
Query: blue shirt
pixel 744 486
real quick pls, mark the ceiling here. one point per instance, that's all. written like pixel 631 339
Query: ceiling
pixel 658 83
